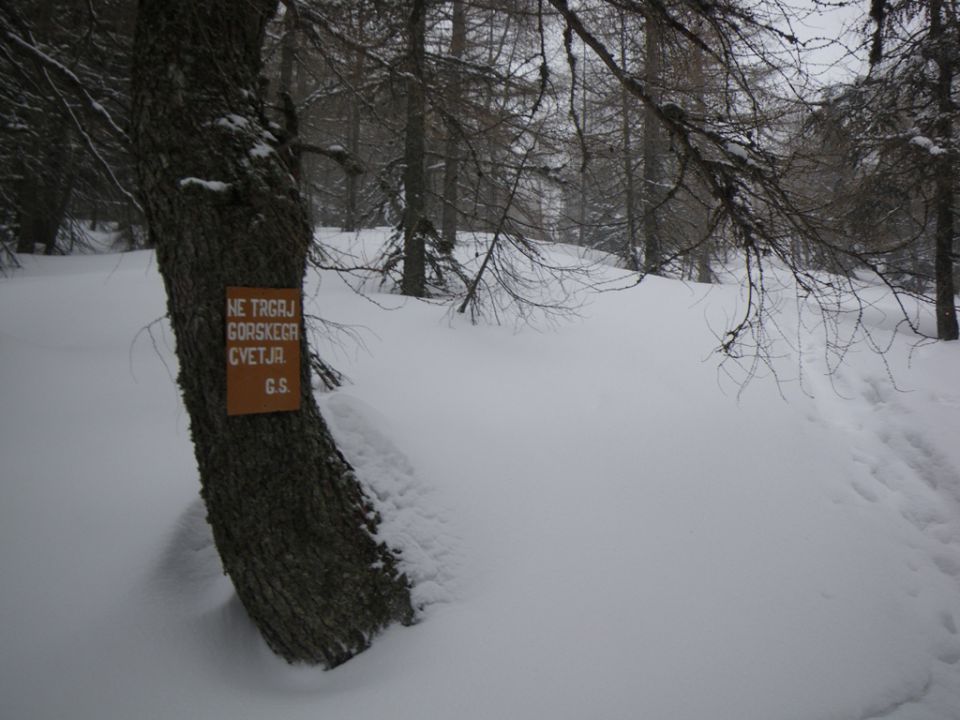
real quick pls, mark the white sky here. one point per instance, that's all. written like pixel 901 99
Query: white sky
pixel 832 34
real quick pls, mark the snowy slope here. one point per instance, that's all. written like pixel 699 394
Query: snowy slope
pixel 597 526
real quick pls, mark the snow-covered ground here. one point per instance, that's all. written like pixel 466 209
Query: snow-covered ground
pixel 598 526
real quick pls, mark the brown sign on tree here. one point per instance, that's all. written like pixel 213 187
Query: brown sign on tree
pixel 263 350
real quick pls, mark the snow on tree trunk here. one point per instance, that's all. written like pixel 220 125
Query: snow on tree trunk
pixel 292 526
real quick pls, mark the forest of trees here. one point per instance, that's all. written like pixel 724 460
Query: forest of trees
pixel 659 132
pixel 682 137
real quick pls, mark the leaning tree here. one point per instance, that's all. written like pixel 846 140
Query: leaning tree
pixel 291 523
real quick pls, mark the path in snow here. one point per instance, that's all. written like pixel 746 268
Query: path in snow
pixel 906 474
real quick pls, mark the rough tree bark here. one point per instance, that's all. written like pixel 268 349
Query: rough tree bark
pixel 290 521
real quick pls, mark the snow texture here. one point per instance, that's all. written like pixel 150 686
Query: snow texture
pixel 596 526
pixel 211 185
pixel 260 150
pixel 927 144
pixel 233 123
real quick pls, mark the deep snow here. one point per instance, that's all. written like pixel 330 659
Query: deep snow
pixel 598 527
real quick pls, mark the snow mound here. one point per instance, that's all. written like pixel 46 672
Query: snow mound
pixel 413 525
pixel 592 527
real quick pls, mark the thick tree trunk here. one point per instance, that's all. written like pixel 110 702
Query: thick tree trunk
pixel 414 281
pixel 945 180
pixel 290 521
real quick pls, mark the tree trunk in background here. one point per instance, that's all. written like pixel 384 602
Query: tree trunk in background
pixel 584 122
pixel 289 518
pixel 945 180
pixel 700 214
pixel 45 187
pixel 414 281
pixel 652 150
pixel 629 194
pixel 288 52
pixel 41 211
pixel 451 168
pixel 351 214
pixel 352 185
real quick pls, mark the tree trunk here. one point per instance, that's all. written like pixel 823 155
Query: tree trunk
pixel 30 233
pixel 584 109
pixel 652 150
pixel 351 214
pixel 629 196
pixel 700 216
pixel 290 521
pixel 288 53
pixel 45 187
pixel 352 185
pixel 285 98
pixel 451 167
pixel 945 180
pixel 414 281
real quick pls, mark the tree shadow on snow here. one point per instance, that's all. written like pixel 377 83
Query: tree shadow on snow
pixel 206 615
